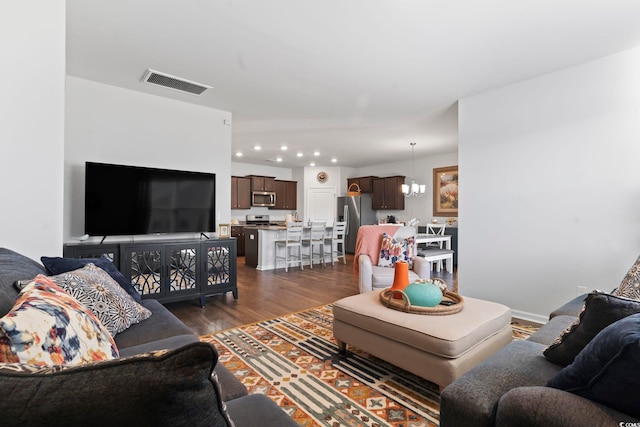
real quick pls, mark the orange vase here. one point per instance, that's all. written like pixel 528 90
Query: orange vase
pixel 400 277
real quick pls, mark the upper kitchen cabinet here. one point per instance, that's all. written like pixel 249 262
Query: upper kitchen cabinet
pixel 365 183
pixel 262 183
pixel 387 193
pixel 286 194
pixel 240 192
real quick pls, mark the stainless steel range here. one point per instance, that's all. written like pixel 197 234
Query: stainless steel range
pixel 257 220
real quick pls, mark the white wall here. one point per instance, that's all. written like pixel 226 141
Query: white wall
pixel 113 125
pixel 244 169
pixel 32 41
pixel 549 185
pixel 414 207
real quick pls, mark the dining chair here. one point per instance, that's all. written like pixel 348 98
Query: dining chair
pixel 335 242
pixel 316 238
pixel 292 240
pixel 437 229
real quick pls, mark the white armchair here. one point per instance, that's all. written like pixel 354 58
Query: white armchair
pixel 370 275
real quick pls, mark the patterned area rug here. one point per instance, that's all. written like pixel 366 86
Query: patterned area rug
pixel 294 360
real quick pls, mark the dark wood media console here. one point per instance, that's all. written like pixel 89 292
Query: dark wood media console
pixel 170 270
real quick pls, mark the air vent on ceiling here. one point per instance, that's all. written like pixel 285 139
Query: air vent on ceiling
pixel 172 82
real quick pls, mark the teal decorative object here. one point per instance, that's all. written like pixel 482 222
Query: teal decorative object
pixel 423 294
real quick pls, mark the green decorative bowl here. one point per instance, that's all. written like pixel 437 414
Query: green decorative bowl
pixel 423 294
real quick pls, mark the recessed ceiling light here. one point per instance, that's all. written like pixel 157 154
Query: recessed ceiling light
pixel 316 153
pixel 278 159
pixel 239 154
pixel 334 160
pixel 283 147
pixel 299 154
pixel 257 147
pixel 312 164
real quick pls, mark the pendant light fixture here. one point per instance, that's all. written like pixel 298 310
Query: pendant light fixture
pixel 414 189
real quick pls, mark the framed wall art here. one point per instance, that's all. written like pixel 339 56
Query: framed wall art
pixel 223 231
pixel 445 191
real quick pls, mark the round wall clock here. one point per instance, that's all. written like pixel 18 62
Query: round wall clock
pixel 322 177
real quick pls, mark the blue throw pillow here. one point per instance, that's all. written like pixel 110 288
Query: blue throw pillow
pixel 606 370
pixel 57 265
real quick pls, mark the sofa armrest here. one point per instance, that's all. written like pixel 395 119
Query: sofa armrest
pixel 167 388
pixel 14 267
pixel 365 275
pixel 422 267
pixel 571 308
pixel 258 410
pixel 549 407
pixel 551 330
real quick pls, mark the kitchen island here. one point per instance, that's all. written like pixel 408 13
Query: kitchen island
pixel 260 247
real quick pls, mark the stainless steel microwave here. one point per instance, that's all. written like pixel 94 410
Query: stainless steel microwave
pixel 263 198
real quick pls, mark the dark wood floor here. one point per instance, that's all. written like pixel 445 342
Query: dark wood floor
pixel 267 294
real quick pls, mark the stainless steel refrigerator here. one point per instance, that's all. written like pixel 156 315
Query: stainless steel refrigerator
pixel 356 211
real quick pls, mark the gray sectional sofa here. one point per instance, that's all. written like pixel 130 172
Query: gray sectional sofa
pixel 164 376
pixel 512 387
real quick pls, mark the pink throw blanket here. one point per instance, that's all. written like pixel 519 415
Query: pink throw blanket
pixel 368 242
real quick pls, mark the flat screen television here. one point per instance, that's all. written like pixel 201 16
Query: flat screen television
pixel 128 200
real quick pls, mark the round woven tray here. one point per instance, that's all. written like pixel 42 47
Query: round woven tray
pixel 386 298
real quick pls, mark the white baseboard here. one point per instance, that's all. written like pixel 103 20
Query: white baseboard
pixel 531 317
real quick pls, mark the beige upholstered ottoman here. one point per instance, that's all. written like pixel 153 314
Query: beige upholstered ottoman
pixel 437 348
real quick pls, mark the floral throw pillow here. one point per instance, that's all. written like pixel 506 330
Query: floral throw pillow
pixel 630 285
pixel 47 326
pixel 97 290
pixel 392 250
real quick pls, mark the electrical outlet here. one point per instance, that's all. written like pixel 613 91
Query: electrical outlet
pixel 581 290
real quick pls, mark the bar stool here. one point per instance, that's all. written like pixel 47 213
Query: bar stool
pixel 293 239
pixel 336 242
pixel 316 238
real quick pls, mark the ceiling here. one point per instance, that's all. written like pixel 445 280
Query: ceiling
pixel 355 80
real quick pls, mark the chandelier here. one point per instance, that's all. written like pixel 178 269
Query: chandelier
pixel 414 189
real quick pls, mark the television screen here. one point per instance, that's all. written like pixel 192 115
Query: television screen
pixel 137 200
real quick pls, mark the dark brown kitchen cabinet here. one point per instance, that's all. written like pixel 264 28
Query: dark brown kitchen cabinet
pixel 237 231
pixel 240 192
pixel 262 183
pixel 364 182
pixel 286 194
pixel 387 193
pixel 251 246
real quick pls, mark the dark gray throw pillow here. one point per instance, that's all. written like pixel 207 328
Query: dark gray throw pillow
pixel 606 370
pixel 164 388
pixel 600 310
pixel 57 265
